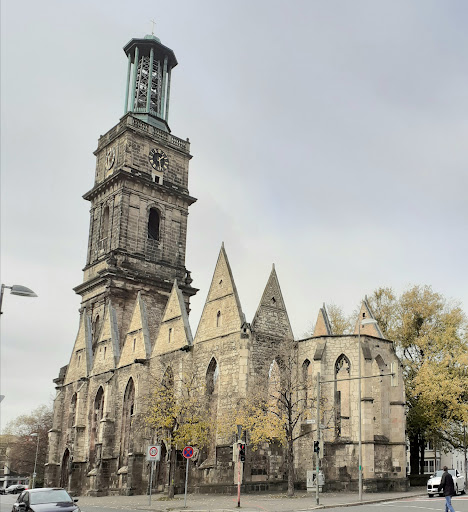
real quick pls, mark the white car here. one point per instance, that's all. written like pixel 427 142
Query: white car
pixel 434 482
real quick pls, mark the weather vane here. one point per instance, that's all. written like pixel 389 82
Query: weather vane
pixel 152 30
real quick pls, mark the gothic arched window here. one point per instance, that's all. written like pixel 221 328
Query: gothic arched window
pixel 96 416
pixel 72 411
pixel 153 224
pixel 342 396
pixel 127 413
pixel 212 377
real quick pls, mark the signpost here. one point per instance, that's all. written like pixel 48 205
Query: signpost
pixel 188 454
pixel 153 454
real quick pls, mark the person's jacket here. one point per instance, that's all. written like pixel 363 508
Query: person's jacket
pixel 446 483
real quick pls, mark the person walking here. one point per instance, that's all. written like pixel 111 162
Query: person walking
pixel 446 484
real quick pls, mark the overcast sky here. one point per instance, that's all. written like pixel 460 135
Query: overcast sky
pixel 329 138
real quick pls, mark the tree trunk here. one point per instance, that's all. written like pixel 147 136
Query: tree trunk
pixel 172 463
pixel 290 463
pixel 422 445
pixel 414 454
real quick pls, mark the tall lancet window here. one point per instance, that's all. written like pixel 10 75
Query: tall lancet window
pixel 342 396
pixel 212 377
pixel 127 414
pixel 96 416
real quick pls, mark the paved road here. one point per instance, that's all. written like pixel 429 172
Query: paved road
pixel 389 502
pixel 421 504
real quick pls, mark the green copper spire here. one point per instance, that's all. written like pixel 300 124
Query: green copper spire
pixel 149 80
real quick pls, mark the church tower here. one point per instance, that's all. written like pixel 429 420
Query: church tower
pixel 139 201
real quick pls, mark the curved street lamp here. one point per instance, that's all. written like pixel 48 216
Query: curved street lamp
pixel 16 289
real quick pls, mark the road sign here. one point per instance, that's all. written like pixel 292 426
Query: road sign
pixel 153 453
pixel 188 452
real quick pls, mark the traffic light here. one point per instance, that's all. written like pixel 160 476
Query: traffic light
pixel 316 447
pixel 242 452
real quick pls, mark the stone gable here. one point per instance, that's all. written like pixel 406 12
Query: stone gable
pixel 174 332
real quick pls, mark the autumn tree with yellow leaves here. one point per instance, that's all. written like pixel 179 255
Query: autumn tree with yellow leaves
pixel 431 339
pixel 274 407
pixel 176 413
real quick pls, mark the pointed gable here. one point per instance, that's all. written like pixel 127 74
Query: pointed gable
pixel 322 326
pixel 82 356
pixel 222 313
pixel 364 314
pixel 137 343
pixel 174 332
pixel 107 352
pixel 271 316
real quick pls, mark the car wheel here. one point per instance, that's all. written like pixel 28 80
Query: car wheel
pixel 430 495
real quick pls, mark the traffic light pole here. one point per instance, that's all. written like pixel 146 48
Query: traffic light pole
pixel 317 466
pixel 238 475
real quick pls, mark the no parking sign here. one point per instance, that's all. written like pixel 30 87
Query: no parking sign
pixel 153 453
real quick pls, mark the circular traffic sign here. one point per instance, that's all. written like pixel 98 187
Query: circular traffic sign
pixel 188 452
pixel 153 451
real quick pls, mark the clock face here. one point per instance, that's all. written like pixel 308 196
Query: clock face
pixel 110 158
pixel 158 160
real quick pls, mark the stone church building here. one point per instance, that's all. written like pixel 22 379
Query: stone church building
pixel 134 325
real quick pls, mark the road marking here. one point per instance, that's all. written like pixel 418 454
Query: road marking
pixel 410 506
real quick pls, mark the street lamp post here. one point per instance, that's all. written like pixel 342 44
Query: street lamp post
pixel 366 321
pixel 35 460
pixel 16 289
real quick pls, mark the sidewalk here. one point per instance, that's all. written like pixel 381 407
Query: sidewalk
pixel 267 502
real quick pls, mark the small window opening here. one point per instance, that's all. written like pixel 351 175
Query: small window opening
pixel 363 315
pixel 220 282
pixel 169 339
pixel 156 179
pixel 105 350
pixel 273 301
pixel 134 344
pixel 218 319
pixel 105 223
pixel 153 224
pixel 79 358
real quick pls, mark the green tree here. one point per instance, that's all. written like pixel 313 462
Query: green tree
pixel 22 445
pixel 430 338
pixel 176 412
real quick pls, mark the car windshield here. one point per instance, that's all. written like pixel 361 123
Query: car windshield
pixel 51 496
pixel 441 472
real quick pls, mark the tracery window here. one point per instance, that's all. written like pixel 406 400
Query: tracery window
pixel 342 396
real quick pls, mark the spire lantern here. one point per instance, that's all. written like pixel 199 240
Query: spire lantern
pixel 149 80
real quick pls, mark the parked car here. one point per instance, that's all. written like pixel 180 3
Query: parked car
pixel 434 481
pixel 15 489
pixel 45 500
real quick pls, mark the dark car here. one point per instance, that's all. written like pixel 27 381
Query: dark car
pixel 15 489
pixel 45 500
